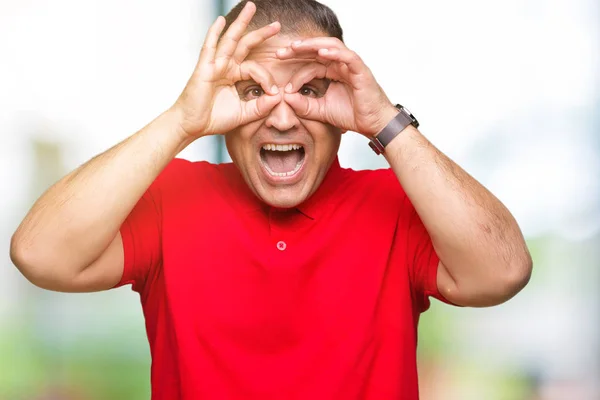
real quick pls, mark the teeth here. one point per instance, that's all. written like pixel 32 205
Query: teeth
pixel 292 172
pixel 281 147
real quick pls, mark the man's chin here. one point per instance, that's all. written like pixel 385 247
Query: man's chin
pixel 282 198
pixel 282 203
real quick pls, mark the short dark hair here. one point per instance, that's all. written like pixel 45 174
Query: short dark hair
pixel 296 17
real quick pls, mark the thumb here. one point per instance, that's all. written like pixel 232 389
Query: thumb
pixel 304 106
pixel 259 108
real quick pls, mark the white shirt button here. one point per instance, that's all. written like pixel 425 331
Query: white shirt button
pixel 281 245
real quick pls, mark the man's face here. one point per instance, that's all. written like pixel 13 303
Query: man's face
pixel 283 158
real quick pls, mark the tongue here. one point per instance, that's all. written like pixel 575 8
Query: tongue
pixel 282 161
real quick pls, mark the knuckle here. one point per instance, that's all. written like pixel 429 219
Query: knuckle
pixel 228 38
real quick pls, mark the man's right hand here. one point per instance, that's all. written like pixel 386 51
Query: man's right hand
pixel 210 103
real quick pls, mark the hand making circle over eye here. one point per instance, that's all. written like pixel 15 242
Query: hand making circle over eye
pixel 211 103
pixel 354 100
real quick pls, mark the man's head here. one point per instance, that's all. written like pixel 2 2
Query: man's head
pixel 284 158
pixel 297 17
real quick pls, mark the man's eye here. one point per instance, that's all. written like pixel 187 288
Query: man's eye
pixel 253 93
pixel 308 91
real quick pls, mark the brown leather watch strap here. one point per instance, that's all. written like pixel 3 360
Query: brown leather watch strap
pixel 403 119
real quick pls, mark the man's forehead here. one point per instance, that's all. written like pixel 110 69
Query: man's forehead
pixel 264 55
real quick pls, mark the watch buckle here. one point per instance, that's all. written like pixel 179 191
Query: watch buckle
pixel 376 145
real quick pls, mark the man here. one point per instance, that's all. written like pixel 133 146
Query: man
pixel 282 275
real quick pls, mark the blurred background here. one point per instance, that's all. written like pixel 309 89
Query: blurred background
pixel 507 88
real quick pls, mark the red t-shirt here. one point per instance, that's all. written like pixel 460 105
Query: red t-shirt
pixel 243 301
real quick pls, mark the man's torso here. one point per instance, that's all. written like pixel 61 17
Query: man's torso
pixel 249 302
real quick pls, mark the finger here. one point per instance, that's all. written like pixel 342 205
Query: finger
pixel 305 107
pixel 316 70
pixel 252 70
pixel 351 59
pixel 286 53
pixel 253 39
pixel 259 108
pixel 309 46
pixel 306 74
pixel 209 47
pixel 318 43
pixel 230 39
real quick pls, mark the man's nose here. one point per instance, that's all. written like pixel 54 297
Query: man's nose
pixel 282 117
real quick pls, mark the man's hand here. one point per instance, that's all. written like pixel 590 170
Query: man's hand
pixel 483 257
pixel 354 100
pixel 210 103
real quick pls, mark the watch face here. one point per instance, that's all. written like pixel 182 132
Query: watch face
pixel 414 123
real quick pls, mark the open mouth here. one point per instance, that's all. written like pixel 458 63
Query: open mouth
pixel 282 160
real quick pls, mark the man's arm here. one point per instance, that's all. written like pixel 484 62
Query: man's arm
pixel 69 240
pixel 484 260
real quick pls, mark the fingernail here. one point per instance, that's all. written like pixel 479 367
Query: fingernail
pixel 274 23
pixel 288 88
pixel 324 51
pixel 274 89
pixel 297 43
pixel 280 51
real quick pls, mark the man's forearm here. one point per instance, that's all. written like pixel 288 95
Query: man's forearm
pixel 477 239
pixel 72 223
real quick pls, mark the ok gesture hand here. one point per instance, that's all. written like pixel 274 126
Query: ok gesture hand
pixel 210 103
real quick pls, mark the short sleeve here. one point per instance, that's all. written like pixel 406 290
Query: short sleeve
pixel 141 234
pixel 421 259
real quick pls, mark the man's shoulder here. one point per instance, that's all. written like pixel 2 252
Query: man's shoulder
pixel 378 173
pixel 182 175
pixel 374 197
pixel 368 186
pixel 382 179
pixel 181 165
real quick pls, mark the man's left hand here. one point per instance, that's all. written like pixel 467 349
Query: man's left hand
pixel 354 101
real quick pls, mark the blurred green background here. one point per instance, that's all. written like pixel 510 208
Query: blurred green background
pixel 508 89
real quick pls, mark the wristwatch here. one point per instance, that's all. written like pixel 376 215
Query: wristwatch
pixel 393 129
